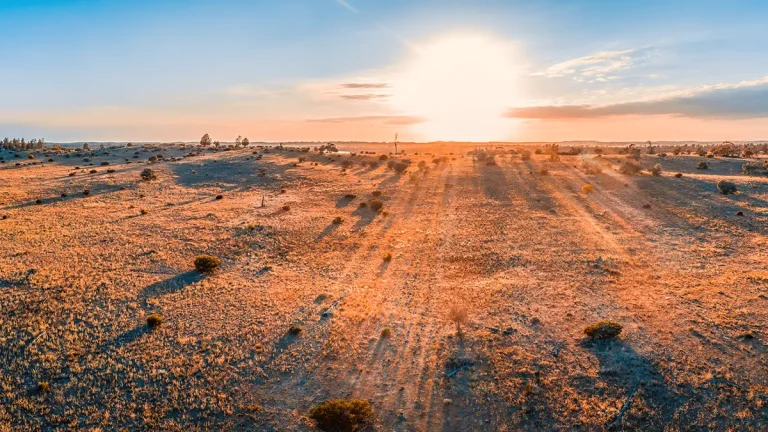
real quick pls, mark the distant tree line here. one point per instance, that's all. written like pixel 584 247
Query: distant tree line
pixel 21 144
pixel 206 141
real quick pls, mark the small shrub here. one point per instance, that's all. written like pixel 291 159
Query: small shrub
pixel 725 187
pixel 148 174
pixel 337 220
pixel 603 330
pixel 154 320
pixel 702 165
pixel 218 197
pixel 749 168
pixel 376 204
pixel 525 155
pixel 286 208
pixel 656 170
pixel 342 415
pixel 206 263
pixel 383 157
pixel 678 175
pixel 388 257
pixel 400 167
pixel 363 204
pixel 458 314
pixel 386 332
pixel 629 167
pixel 105 163
pixel 544 171
pixel 93 171
pixel 350 196
pixel 86 192
pixel 591 168
pixel 587 189
pixel 38 201
pixel 376 193
pixel 43 387
pixel 143 211
pixel 295 329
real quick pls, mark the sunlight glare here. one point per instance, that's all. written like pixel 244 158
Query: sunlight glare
pixel 461 84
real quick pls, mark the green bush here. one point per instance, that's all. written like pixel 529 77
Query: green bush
pixel 154 320
pixel 376 204
pixel 603 330
pixel 206 263
pixel 342 415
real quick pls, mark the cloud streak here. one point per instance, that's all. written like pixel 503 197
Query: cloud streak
pixel 365 97
pixel 744 100
pixel 389 120
pixel 348 6
pixel 364 85
pixel 597 66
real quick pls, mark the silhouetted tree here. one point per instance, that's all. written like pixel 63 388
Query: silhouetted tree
pixel 205 141
pixel 245 142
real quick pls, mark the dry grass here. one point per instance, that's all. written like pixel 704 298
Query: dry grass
pixel 524 254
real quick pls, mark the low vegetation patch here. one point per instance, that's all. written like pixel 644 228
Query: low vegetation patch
pixel 154 320
pixel 629 167
pixel 206 263
pixel 342 415
pixel 702 165
pixel 148 174
pixel 295 329
pixel 603 330
pixel 376 204
pixel 587 189
pixel 725 187
pixel 656 170
pixel 337 220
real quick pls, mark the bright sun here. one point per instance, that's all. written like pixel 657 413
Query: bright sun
pixel 461 85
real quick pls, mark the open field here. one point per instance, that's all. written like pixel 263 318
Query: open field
pixel 529 257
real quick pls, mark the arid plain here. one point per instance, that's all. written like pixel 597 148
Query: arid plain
pixel 320 295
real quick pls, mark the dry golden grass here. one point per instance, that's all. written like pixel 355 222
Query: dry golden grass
pixel 533 261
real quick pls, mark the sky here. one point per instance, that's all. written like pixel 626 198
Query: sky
pixel 347 70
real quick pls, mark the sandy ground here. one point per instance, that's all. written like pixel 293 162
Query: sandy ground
pixel 531 259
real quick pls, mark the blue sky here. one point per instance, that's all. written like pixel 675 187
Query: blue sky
pixel 274 69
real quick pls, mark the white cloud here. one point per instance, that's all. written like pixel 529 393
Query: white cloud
pixel 597 66
pixel 348 6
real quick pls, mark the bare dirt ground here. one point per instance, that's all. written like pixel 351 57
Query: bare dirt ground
pixel 531 259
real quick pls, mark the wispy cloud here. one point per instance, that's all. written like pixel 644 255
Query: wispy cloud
pixel 367 97
pixel 365 85
pixel 348 6
pixel 385 119
pixel 597 66
pixel 743 100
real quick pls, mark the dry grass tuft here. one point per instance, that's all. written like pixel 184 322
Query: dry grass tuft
pixel 587 189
